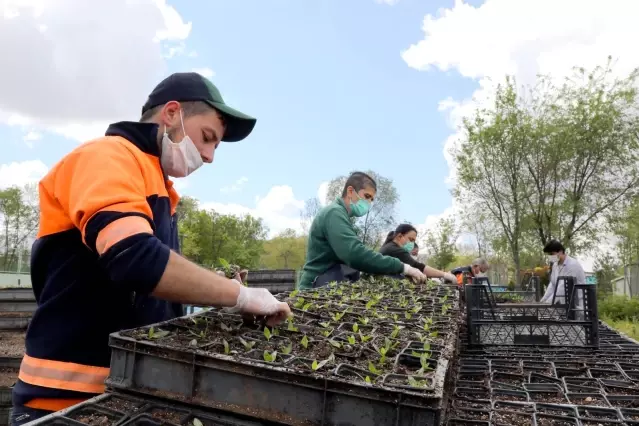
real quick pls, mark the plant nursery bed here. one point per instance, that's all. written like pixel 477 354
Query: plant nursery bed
pixel 11 344
pixel 128 410
pixel 373 352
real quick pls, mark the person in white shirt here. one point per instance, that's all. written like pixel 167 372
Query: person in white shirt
pixel 562 266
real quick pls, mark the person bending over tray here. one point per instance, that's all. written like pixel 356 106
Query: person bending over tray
pixel 335 253
pixel 401 242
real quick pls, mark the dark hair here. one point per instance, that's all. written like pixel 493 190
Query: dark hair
pixel 402 229
pixel 359 181
pixel 416 246
pixel 554 246
pixel 189 109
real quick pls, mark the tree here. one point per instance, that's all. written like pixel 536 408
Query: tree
pixel 285 251
pixel 19 216
pixel 373 227
pixel 312 206
pixel 606 269
pixel 582 155
pixel 490 163
pixel 440 244
pixel 207 236
pixel 624 226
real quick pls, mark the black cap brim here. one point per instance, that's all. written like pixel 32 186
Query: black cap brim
pixel 238 124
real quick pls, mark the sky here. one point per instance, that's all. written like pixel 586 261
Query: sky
pixel 335 85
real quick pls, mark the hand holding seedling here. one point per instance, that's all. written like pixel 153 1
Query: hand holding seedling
pixel 259 301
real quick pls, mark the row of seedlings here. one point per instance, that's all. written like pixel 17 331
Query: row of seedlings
pixel 376 350
pixel 548 386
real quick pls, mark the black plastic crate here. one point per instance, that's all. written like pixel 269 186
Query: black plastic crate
pixel 344 391
pixel 9 368
pixel 128 410
pixel 14 320
pixel 12 294
pixel 496 324
pixel 263 276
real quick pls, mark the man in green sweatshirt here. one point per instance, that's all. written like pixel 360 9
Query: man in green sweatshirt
pixel 335 253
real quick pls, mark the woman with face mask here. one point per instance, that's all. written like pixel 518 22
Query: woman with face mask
pixel 401 242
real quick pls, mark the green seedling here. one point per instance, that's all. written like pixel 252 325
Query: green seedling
pixel 417 383
pixel 351 339
pixel 396 317
pixel 355 327
pixel 157 334
pixel 326 333
pixel 290 326
pixel 427 346
pixel 335 343
pixel 372 368
pixel 227 348
pixel 419 336
pixel 367 379
pixel 247 345
pixel 293 293
pixel 395 332
pixel 197 422
pixel 423 361
pixel 275 331
pixel 416 309
pixel 317 365
pixel 371 303
pixel 267 334
pixel 304 342
pixel 270 357
pixel 408 315
pixel 225 327
pixel 307 306
pixel 299 303
pixel 325 324
pixel 363 320
pixel 287 350
pixel 337 316
pixel 434 334
pixel 364 338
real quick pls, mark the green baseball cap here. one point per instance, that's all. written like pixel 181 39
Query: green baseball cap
pixel 191 86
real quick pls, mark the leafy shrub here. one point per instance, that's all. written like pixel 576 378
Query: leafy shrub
pixel 619 308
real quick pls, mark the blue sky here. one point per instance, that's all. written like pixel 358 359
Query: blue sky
pixel 331 92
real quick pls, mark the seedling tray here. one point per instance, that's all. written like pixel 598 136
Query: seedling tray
pixel 14 320
pixel 122 409
pixel 304 372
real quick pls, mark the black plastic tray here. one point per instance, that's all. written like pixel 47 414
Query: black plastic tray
pixel 272 393
pixel 146 411
pixel 9 294
pixel 14 322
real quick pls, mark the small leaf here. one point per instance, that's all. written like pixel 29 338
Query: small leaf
pixel 334 343
pixel 355 327
pixel 287 350
pixel 225 327
pixel 322 364
pixel 193 342
pixel 267 333
pixel 307 306
pixel 293 293
pixel 351 339
pixel 314 366
pixel 227 349
pixel 197 422
pixel 372 368
pixel 305 342
pixel 417 354
pixel 367 379
pixel 325 324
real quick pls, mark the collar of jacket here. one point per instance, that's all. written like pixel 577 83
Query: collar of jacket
pixel 142 135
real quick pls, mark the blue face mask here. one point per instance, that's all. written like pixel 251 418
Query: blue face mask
pixel 361 207
pixel 409 246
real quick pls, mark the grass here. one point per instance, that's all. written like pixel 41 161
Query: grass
pixel 621 313
pixel 628 327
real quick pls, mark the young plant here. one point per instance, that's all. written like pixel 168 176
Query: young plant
pixel 335 343
pixel 423 361
pixel 351 339
pixel 326 333
pixel 225 327
pixel 307 306
pixel 267 334
pixel 304 342
pixel 364 338
pixel 270 356
pixel 286 350
pixel 355 327
pixel 417 383
pixel 293 293
pixel 395 332
pixel 290 326
pixel 299 303
pixel 363 320
pixel 247 345
pixel 317 365
pixel 227 348
pixel 325 324
pixel 157 334
pixel 373 369
pixel 337 316
pixel 408 315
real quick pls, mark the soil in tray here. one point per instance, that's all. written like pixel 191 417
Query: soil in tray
pixel 548 397
pixel 598 423
pixel 550 421
pixel 122 405
pixel 589 400
pixel 474 404
pixel 471 415
pixel 511 418
pixel 8 377
pixel 94 418
pixel 166 415
pixel 11 344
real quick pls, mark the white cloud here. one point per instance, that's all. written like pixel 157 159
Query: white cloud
pixel 388 2
pixel 206 72
pixel 30 137
pixel 81 70
pixel 279 209
pixel 521 38
pixel 236 186
pixel 20 174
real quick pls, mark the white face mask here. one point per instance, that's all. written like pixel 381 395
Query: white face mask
pixel 182 158
pixel 553 258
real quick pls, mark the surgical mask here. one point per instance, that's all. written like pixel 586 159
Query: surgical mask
pixel 182 158
pixel 409 246
pixel 360 208
pixel 553 258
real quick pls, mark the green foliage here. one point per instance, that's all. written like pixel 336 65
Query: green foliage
pixel 619 308
pixel 19 215
pixel 285 251
pixel 440 243
pixel 207 236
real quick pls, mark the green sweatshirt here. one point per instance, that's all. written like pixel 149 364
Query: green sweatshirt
pixel 333 240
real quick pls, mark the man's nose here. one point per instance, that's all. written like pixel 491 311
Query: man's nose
pixel 208 155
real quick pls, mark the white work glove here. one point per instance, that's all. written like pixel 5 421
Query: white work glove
pixel 449 277
pixel 414 273
pixel 259 301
